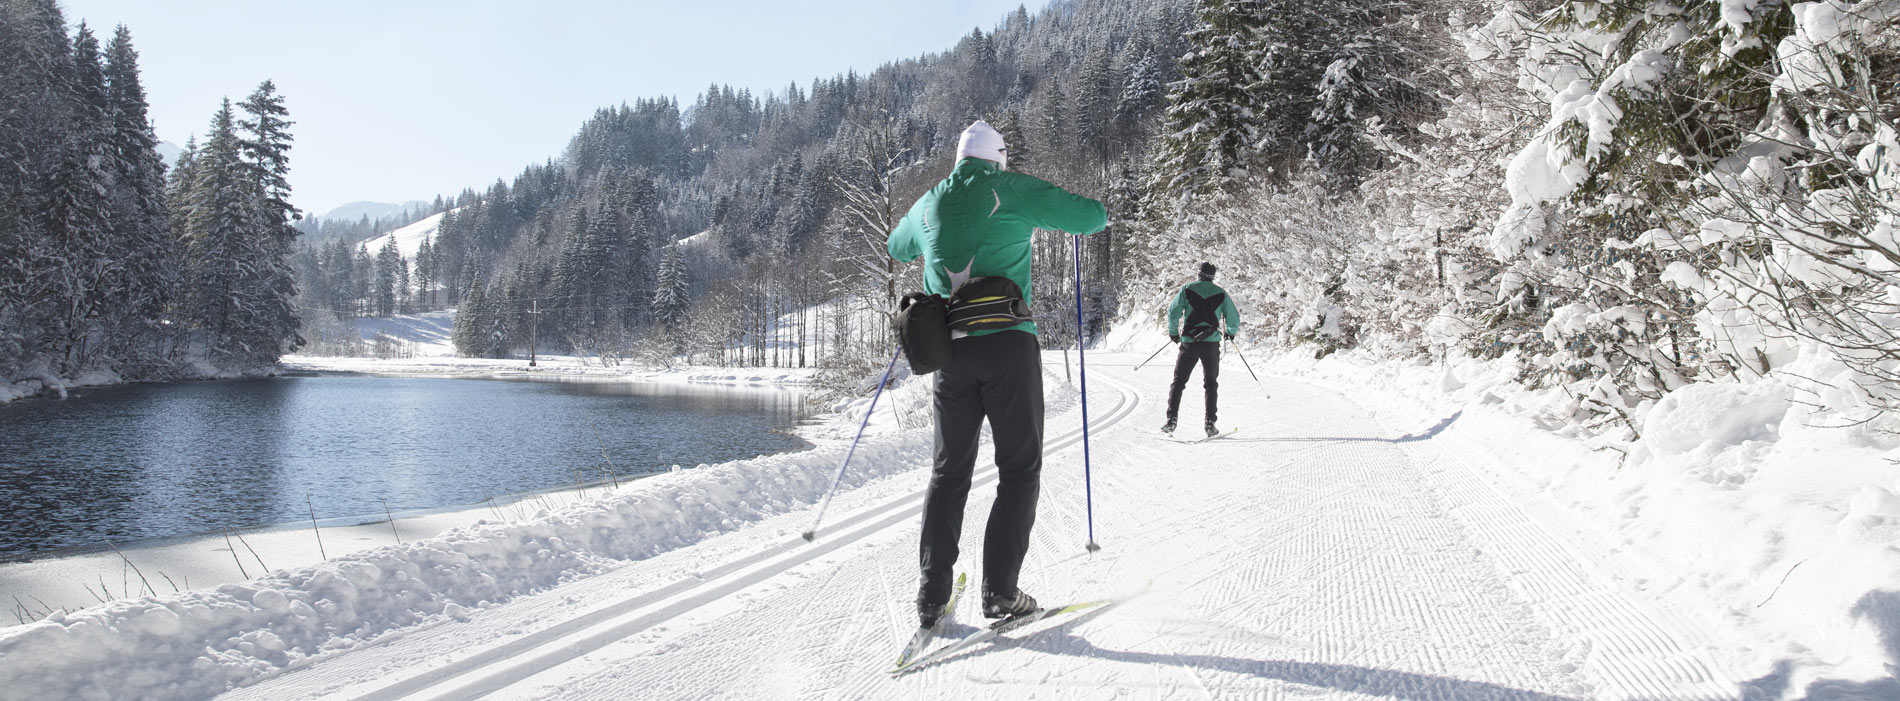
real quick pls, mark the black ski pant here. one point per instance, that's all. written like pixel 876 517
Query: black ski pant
pixel 1207 355
pixel 996 377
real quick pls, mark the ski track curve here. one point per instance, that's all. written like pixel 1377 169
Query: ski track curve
pixel 1312 554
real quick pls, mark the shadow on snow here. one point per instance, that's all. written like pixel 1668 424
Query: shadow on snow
pixel 1414 437
pixel 1882 609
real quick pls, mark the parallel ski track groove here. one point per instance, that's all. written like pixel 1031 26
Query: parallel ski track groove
pixel 1632 650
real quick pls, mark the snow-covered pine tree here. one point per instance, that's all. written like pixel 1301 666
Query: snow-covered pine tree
pixel 78 213
pixel 404 295
pixel 1023 155
pixel 362 279
pixel 1373 89
pixel 333 258
pixel 1210 136
pixel 1293 48
pixel 266 147
pixel 218 239
pixel 1142 94
pixel 639 206
pixel 597 264
pixel 445 267
pixel 473 321
pixel 36 75
pixel 384 289
pixel 179 181
pixel 1096 89
pixel 1050 133
pixel 672 299
pixel 425 275
pixel 141 220
pixel 570 285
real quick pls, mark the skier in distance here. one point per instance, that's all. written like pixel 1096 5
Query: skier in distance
pixel 1204 304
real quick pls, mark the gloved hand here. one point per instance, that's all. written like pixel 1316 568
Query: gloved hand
pixel 1229 336
pixel 1175 337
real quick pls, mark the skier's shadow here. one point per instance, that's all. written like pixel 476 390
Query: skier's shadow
pixel 1370 681
pixel 1414 437
pixel 1355 679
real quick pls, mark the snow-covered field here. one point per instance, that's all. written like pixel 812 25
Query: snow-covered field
pixel 1372 531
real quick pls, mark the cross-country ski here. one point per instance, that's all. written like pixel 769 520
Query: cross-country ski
pixel 1009 625
pixel 925 634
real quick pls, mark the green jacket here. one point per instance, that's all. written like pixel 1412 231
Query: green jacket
pixel 1205 290
pixel 977 223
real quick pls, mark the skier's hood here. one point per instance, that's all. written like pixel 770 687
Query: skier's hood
pixel 983 141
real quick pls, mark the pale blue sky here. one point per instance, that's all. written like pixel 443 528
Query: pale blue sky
pixel 406 99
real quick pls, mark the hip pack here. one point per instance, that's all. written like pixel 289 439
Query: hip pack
pixel 990 302
pixel 924 321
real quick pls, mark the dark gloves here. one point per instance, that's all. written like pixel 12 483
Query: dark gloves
pixel 1174 337
pixel 1229 336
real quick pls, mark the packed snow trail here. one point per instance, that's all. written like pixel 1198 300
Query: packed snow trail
pixel 1316 553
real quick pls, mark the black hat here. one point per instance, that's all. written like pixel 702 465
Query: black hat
pixel 1207 271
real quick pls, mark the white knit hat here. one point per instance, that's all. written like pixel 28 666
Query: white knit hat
pixel 983 141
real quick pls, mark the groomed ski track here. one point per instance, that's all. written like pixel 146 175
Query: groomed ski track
pixel 1316 554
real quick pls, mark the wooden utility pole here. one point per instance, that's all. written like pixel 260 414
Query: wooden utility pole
pixel 534 329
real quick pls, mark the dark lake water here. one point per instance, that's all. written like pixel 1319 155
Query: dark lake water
pixel 140 461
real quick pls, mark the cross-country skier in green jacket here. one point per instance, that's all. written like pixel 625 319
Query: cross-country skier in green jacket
pixel 1204 304
pixel 977 223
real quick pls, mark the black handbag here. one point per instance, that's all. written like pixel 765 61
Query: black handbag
pixel 923 331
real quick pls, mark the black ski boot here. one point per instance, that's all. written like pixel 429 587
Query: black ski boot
pixel 1211 431
pixel 932 599
pixel 1005 605
pixel 1168 427
pixel 927 615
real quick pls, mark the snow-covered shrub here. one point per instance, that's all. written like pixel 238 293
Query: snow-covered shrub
pixel 1792 235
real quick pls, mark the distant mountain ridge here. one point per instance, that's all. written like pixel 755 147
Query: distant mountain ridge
pixel 169 152
pixel 373 210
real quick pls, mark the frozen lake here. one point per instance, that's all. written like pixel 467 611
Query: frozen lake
pixel 145 461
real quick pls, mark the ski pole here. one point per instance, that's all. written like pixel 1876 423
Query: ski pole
pixel 1243 361
pixel 1082 368
pixel 1152 357
pixel 812 533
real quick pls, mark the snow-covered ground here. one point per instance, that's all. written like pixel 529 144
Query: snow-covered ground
pixel 409 238
pixel 1372 531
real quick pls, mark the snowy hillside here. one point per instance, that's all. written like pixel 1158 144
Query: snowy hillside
pixel 409 238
